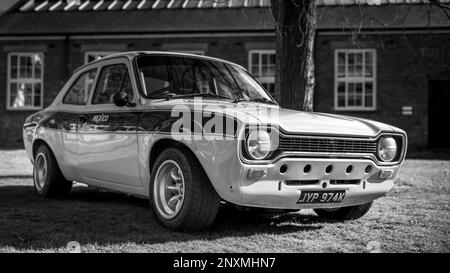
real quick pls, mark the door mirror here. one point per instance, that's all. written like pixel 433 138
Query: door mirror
pixel 121 99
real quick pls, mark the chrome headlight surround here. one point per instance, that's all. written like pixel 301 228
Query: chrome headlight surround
pixel 258 143
pixel 387 148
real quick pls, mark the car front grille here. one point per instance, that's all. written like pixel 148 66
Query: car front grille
pixel 326 145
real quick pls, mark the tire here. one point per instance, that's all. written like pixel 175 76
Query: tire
pixel 199 201
pixel 49 183
pixel 344 213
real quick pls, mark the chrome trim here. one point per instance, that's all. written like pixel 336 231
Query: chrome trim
pixel 327 155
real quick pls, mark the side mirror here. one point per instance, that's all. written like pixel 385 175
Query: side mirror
pixel 121 99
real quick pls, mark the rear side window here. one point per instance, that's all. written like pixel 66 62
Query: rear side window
pixel 80 90
pixel 114 78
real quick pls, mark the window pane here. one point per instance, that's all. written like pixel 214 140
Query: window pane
pixel 358 94
pixel 109 83
pixel 351 94
pixel 14 68
pixel 369 94
pixel 341 101
pixel 255 64
pixel 14 100
pixel 351 65
pixel 79 92
pixel 255 58
pixel 272 59
pixel 341 58
pixel 341 94
pixel 341 71
pixel 26 67
pixel 358 65
pixel 37 94
pixel 37 66
pixel 265 59
pixel 369 88
pixel 28 90
pixel 341 88
pixel 369 57
pixel 369 65
pixel 369 71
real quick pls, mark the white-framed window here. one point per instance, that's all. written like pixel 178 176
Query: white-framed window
pixel 25 90
pixel 355 79
pixel 261 64
pixel 95 55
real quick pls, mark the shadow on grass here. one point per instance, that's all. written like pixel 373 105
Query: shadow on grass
pixel 103 218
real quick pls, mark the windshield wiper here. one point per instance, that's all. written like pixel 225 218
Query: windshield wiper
pixel 263 100
pixel 237 100
pixel 208 95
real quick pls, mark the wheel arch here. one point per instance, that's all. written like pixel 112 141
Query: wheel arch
pixel 38 143
pixel 164 143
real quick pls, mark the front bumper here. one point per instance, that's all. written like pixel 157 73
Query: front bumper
pixel 265 186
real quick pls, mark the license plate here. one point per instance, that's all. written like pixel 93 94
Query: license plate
pixel 310 197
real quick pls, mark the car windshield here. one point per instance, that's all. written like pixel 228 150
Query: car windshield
pixel 176 76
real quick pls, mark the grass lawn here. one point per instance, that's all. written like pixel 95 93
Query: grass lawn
pixel 413 217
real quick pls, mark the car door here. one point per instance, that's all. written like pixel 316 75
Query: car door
pixel 107 138
pixel 71 115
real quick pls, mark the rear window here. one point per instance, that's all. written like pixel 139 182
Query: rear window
pixel 80 90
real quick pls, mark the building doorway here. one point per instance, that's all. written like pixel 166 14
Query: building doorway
pixel 438 114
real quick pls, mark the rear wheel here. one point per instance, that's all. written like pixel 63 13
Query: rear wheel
pixel 48 179
pixel 181 194
pixel 345 213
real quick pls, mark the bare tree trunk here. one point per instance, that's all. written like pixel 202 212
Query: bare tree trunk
pixel 308 101
pixel 295 33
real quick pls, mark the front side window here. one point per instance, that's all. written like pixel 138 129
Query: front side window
pixel 79 92
pixel 25 81
pixel 113 78
pixel 355 78
pixel 164 76
pixel 262 66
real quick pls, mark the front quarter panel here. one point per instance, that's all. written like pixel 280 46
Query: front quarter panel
pixel 217 156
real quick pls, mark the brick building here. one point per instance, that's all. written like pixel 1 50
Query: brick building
pixel 388 62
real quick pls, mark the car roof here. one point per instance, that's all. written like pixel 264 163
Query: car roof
pixel 131 54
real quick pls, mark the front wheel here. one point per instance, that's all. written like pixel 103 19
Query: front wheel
pixel 344 213
pixel 181 194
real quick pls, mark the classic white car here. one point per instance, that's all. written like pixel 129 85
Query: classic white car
pixel 190 132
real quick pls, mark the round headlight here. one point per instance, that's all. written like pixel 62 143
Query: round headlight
pixel 387 148
pixel 258 144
